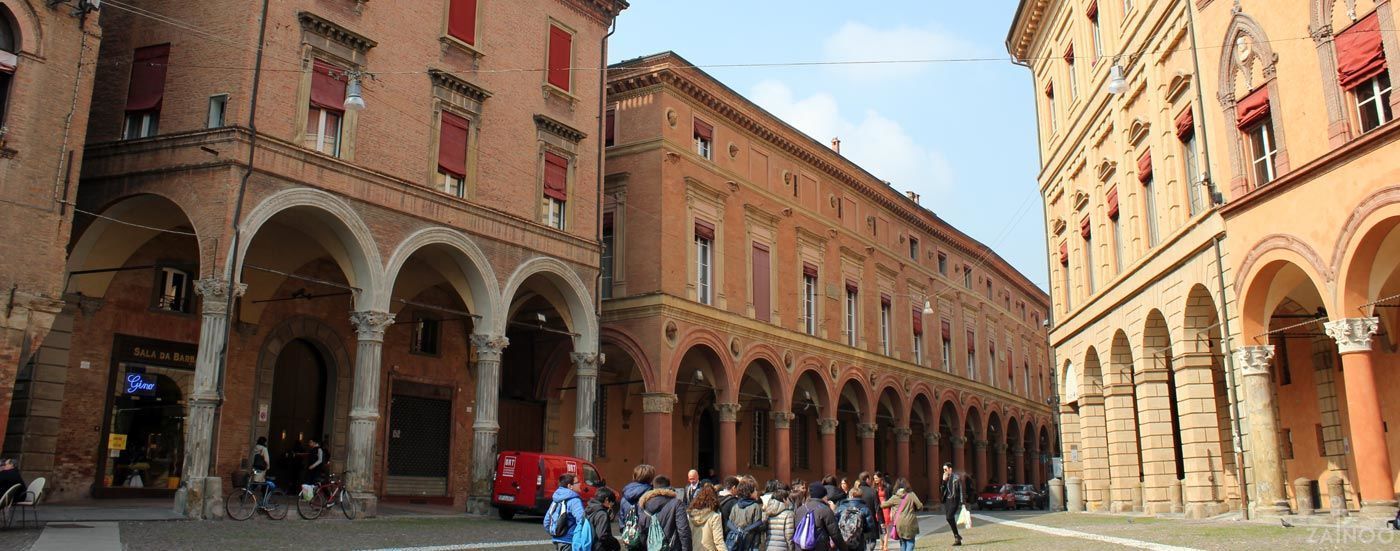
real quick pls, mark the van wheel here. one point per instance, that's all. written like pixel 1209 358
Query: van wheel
pixel 506 514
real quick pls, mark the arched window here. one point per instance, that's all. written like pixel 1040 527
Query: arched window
pixel 1249 95
pixel 9 60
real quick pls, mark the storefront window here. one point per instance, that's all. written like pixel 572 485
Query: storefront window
pixel 144 440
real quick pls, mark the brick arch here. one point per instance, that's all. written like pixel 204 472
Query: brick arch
pixel 707 339
pixel 1256 277
pixel 823 387
pixel 866 406
pixel 29 33
pixel 778 386
pixel 1375 212
pixel 632 346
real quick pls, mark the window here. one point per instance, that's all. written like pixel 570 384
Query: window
pixel 561 52
pixel 1186 134
pixel 1073 78
pixel 704 242
pixel 852 309
pixel 452 154
pixel 600 422
pixel 1361 69
pixel 1096 38
pixel 914 249
pixel 704 138
pixel 802 458
pixel 971 356
pixel 992 362
pixel 9 46
pixel 556 185
pixel 217 106
pixel 917 327
pixel 461 23
pixel 885 324
pixel 425 335
pixel 809 298
pixel 1373 102
pixel 1089 266
pixel 967 276
pixel 758 452
pixel 1263 152
pixel 327 109
pixel 1149 197
pixel 989 288
pixel 610 127
pixel 173 290
pixel 796 185
pixel 762 284
pixel 1050 106
pixel 1064 265
pixel 1117 228
pixel 146 91
pixel 943 264
pixel 606 257
pixel 947 343
pixel 841 447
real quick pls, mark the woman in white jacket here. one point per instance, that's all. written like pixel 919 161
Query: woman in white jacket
pixel 781 523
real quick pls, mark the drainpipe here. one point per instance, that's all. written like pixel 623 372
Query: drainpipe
pixel 602 147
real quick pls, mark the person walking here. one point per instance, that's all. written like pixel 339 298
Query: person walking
pixel 669 512
pixel 828 534
pixel 953 497
pixel 904 507
pixel 855 520
pixel 780 521
pixel 882 493
pixel 706 524
pixel 565 506
pixel 600 515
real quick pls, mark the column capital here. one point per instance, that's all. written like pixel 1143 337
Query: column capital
pixel 728 411
pixel 489 346
pixel 588 362
pixel 931 438
pixel 1018 450
pixel 658 402
pixel 957 441
pixel 1254 360
pixel 370 324
pixel 866 430
pixel 1353 334
pixel 782 419
pixel 827 426
pixel 902 434
pixel 214 294
pixel 980 444
pixel 999 447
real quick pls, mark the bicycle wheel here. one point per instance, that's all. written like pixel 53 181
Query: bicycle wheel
pixel 241 504
pixel 348 506
pixel 276 508
pixel 311 510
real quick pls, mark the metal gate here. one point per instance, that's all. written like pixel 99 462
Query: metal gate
pixel 420 424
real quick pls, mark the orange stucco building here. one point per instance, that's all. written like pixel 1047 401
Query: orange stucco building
pixel 1222 233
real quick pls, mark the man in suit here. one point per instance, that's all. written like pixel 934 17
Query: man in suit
pixel 692 486
pixel 952 499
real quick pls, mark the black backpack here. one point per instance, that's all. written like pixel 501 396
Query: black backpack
pixel 741 531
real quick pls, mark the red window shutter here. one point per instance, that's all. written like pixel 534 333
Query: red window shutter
pixel 461 20
pixel 704 230
pixel 1112 201
pixel 452 144
pixel 560 57
pixel 851 286
pixel 1185 124
pixel 1359 53
pixel 1084 227
pixel 1064 253
pixel 884 299
pixel 556 176
pixel 147 87
pixel 947 328
pixel 809 269
pixel 1092 12
pixel 327 90
pixel 1049 89
pixel 762 305
pixel 1253 108
pixel 704 130
pixel 971 342
pixel 608 134
pixel 918 322
pixel 1069 54
pixel 1145 166
pixel 607 221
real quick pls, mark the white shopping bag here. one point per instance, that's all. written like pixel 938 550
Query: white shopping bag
pixel 307 491
pixel 965 518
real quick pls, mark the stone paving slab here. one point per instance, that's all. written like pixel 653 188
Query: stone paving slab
pixel 87 536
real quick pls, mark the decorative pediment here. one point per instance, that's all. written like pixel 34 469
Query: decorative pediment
pixel 1137 132
pixel 1105 169
pixel 1180 83
pixel 1058 225
pixel 1081 199
pixel 546 124
pixel 455 84
pixel 320 26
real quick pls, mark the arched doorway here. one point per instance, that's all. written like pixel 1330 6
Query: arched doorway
pixel 700 382
pixel 297 413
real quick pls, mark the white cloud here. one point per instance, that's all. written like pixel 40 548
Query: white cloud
pixel 860 42
pixel 877 143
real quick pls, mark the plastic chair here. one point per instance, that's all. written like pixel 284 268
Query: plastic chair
pixel 31 500
pixel 7 503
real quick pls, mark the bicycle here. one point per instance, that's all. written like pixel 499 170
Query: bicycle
pixel 245 501
pixel 328 494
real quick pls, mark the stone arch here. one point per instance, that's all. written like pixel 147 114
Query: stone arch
pixel 1070 383
pixel 340 370
pixel 709 341
pixel 1368 240
pixel 577 300
pixel 1093 434
pixel 477 289
pixel 103 243
pixel 631 346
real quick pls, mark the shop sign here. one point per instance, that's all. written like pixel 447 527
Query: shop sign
pixel 154 352
pixel 140 384
pixel 116 442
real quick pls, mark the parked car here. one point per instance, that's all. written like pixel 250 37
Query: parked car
pixel 523 482
pixel 1028 496
pixel 996 496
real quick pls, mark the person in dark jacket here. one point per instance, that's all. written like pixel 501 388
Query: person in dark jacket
pixel 953 497
pixel 834 494
pixel 642 476
pixel 10 477
pixel 856 500
pixel 828 533
pixel 600 515
pixel 727 497
pixel 669 511
pixel 872 501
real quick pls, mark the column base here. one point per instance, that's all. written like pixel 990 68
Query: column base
pixel 1196 511
pixel 1275 509
pixel 1384 510
pixel 201 499
pixel 479 506
pixel 1158 508
pixel 368 502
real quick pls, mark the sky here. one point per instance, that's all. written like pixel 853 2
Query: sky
pixel 961 134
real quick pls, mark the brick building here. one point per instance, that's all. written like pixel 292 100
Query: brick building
pixel 1227 304
pixel 272 261
pixel 48 54
pixel 772 308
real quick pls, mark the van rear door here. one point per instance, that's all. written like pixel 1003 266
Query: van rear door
pixel 515 480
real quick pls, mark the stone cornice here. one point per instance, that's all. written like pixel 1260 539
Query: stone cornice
pixel 602 11
pixel 318 25
pixel 452 82
pixel 557 128
pixel 1029 16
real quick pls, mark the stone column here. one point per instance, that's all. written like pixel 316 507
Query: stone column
pixel 364 404
pixel 586 381
pixel 782 444
pixel 1017 459
pixel 983 473
pixel 1122 469
pixel 486 425
pixel 1253 362
pixel 1200 433
pixel 201 496
pixel 866 432
pixel 998 463
pixel 827 429
pixel 1353 337
pixel 728 439
pixel 1157 438
pixel 901 451
pixel 656 430
pixel 935 469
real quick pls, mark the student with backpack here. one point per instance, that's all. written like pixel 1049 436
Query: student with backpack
pixel 744 529
pixel 642 476
pixel 816 528
pixel 855 519
pixel 706 524
pixel 565 513
pixel 904 509
pixel 600 516
pixel 780 521
pixel 666 526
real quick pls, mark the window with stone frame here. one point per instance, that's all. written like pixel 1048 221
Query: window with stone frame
pixel 333 54
pixel 801 455
pixel 559 72
pixel 704 261
pixel 458 112
pixel 606 258
pixel 1362 71
pixel 704 135
pixel 146 91
pixel 558 155
pixel 758 450
pixel 555 199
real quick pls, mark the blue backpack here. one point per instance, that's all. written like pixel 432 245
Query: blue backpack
pixel 583 536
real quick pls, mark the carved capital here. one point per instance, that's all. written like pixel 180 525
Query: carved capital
pixel 1353 334
pixel 866 430
pixel 489 347
pixel 827 426
pixel 902 434
pixel 588 362
pixel 214 294
pixel 1018 450
pixel 370 324
pixel 1254 360
pixel 728 412
pixel 957 441
pixel 999 447
pixel 1321 33
pixel 782 419
pixel 981 445
pixel 931 438
pixel 658 402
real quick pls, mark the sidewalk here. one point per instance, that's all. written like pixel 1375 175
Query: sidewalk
pixel 107 510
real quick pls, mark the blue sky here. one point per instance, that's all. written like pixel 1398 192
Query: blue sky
pixel 960 134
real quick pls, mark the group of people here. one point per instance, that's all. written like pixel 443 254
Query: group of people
pixel 869 512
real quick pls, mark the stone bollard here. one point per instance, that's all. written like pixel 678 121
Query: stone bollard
pixel 1057 495
pixel 1074 494
pixel 1174 496
pixel 1302 488
pixel 1137 497
pixel 1336 496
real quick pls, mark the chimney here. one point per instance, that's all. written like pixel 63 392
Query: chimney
pixel 913 196
pixel 836 145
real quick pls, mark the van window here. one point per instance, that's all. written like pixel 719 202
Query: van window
pixel 590 476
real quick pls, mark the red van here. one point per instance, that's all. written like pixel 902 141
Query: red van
pixel 524 482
